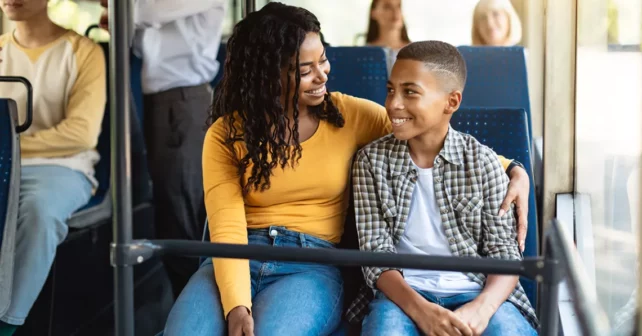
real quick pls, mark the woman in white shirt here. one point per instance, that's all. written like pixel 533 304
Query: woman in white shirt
pixel 387 29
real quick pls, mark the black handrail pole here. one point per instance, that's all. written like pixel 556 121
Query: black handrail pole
pixel 119 88
pixel 29 117
pixel 249 6
pixel 548 306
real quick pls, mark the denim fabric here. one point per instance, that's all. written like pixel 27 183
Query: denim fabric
pixel 386 318
pixel 49 195
pixel 287 298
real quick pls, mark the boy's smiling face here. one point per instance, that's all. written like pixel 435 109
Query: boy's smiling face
pixel 419 100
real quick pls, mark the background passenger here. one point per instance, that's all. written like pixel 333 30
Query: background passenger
pixel 178 42
pixel 496 23
pixel 276 165
pixel 386 28
pixel 67 72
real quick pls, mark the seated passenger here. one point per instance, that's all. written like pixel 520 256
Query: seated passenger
pixel 428 189
pixel 276 165
pixel 67 72
pixel 386 28
pixel 496 23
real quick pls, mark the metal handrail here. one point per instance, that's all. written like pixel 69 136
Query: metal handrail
pixel 29 112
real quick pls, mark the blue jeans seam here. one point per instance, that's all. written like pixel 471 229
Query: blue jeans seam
pixel 336 301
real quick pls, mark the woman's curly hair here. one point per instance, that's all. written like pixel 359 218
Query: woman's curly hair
pixel 261 46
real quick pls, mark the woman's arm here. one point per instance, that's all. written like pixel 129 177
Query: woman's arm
pixel 226 214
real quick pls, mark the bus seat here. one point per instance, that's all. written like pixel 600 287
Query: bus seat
pixel 497 77
pixel 222 52
pixel 9 195
pixel 506 132
pixel 358 71
pixel 99 206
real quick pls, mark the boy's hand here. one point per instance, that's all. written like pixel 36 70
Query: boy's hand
pixel 433 319
pixel 476 315
pixel 518 193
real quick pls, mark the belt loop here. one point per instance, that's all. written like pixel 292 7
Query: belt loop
pixel 302 239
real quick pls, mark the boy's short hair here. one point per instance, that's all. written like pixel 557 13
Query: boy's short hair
pixel 440 57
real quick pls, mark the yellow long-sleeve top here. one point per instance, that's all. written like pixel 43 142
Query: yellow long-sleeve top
pixel 311 198
pixel 69 96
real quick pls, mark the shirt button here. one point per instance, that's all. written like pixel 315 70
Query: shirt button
pixel 274 233
pixel 451 240
pixel 444 211
pixel 413 179
pixel 438 179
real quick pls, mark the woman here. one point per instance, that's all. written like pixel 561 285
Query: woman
pixel 496 23
pixel 275 171
pixel 387 29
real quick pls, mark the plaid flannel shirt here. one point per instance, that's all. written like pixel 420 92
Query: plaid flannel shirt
pixel 470 185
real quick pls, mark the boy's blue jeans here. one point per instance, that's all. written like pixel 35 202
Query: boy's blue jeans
pixel 386 318
pixel 287 298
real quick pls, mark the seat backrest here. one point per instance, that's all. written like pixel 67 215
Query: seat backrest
pixel 506 132
pixel 497 77
pixel 359 72
pixel 9 194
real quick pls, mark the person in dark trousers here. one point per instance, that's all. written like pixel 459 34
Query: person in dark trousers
pixel 178 41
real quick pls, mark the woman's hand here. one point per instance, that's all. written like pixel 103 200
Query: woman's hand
pixel 240 322
pixel 518 193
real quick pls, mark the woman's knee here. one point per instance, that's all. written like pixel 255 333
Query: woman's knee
pixel 198 309
pixel 299 304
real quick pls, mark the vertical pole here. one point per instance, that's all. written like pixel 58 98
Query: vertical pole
pixel 548 305
pixel 249 6
pixel 119 82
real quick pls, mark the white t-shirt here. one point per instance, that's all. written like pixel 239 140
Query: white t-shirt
pixel 424 234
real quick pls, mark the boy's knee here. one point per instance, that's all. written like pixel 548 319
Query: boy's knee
pixel 386 318
pixel 508 321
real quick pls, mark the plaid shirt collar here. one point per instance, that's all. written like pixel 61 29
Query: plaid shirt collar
pixel 401 163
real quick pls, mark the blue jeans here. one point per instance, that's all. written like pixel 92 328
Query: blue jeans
pixel 49 195
pixel 386 318
pixel 287 298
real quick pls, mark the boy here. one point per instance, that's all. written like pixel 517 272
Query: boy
pixel 67 72
pixel 428 189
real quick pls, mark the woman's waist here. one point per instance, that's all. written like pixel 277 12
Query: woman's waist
pixel 328 227
pixel 328 230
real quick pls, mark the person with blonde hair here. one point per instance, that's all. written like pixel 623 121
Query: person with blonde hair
pixel 495 23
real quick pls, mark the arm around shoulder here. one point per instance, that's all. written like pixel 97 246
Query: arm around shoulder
pixel 499 235
pixel 368 119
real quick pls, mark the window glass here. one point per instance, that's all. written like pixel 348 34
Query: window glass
pixel 608 148
pixel 78 16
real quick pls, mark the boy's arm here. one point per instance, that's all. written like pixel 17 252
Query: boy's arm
pixel 499 239
pixel 372 229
